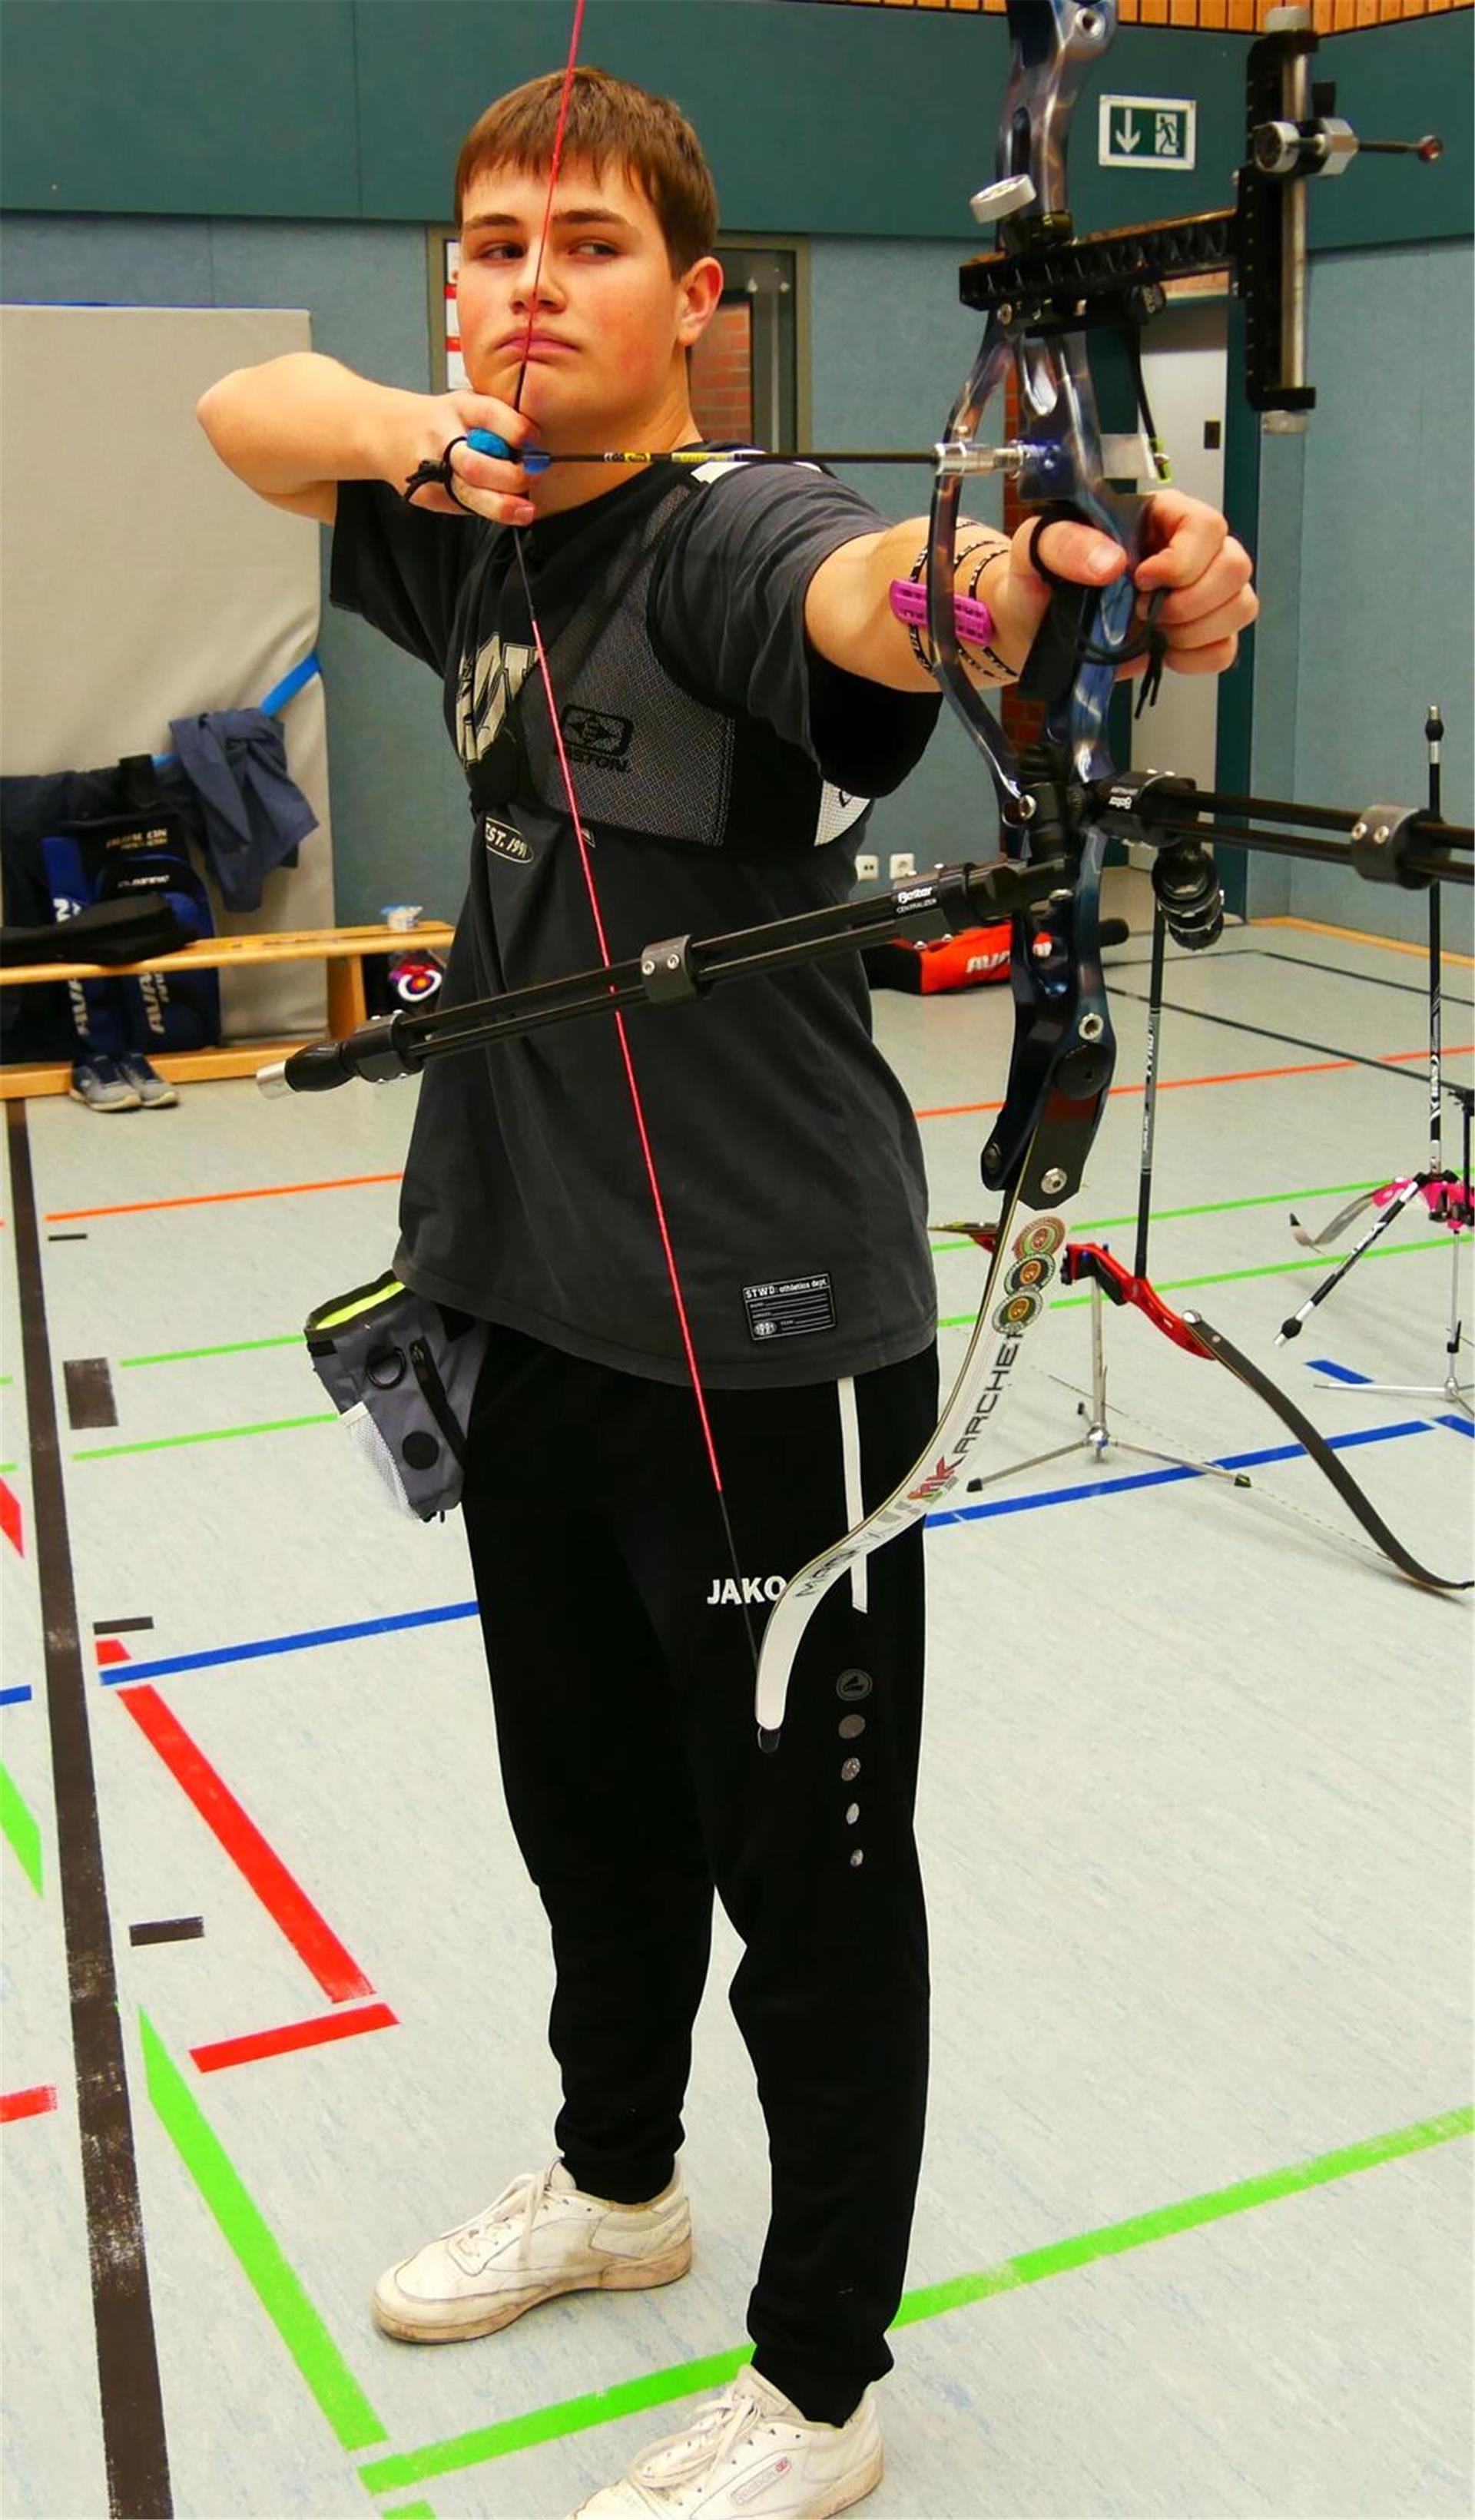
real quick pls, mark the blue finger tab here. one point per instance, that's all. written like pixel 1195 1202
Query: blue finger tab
pixel 484 441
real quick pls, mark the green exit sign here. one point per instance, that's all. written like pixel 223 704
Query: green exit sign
pixel 1148 131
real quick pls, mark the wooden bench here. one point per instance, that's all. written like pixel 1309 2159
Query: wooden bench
pixel 341 950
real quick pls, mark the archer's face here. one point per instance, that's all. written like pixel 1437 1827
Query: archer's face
pixel 606 335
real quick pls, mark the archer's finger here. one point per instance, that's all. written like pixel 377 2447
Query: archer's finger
pixel 1187 536
pixel 1237 614
pixel 1223 587
pixel 1216 659
pixel 491 486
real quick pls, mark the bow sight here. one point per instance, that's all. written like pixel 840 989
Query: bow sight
pixel 1045 275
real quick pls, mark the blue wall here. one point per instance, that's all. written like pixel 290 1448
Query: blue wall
pixel 155 151
pixel 1368 570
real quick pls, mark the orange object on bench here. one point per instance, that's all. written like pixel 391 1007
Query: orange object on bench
pixel 973 959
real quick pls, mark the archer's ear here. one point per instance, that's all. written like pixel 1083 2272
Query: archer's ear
pixel 701 295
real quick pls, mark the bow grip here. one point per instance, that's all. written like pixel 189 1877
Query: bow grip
pixel 1063 643
pixel 1049 668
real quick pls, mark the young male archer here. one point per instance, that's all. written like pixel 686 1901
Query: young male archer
pixel 730 687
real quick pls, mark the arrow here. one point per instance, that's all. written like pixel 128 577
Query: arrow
pixel 1127 138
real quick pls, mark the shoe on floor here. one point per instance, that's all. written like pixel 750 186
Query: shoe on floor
pixel 749 2455
pixel 541 2237
pixel 154 1091
pixel 101 1084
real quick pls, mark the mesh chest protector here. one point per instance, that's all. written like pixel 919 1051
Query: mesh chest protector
pixel 648 758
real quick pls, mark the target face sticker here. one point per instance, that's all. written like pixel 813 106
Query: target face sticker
pixel 1030 1273
pixel 1037 1271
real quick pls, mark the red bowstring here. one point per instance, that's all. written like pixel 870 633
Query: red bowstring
pixel 672 1272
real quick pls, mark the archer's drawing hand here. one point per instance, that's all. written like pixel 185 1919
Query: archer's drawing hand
pixel 484 486
pixel 1191 553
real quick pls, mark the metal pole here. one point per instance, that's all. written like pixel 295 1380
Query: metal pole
pixel 1149 1088
pixel 1434 728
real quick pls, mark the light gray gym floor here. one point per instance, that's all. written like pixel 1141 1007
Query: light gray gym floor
pixel 1194 1819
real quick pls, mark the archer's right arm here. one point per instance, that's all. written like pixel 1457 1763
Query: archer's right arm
pixel 293 428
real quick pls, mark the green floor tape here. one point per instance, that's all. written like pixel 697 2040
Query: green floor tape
pixel 229 1347
pixel 1206 1207
pixel 211 1435
pixel 256 2250
pixel 931 2301
pixel 21 1826
pixel 1229 1277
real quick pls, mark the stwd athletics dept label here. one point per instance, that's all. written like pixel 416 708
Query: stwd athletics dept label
pixel 1159 131
pixel 789 1307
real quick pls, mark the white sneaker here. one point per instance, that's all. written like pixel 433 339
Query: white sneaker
pixel 542 2236
pixel 749 2455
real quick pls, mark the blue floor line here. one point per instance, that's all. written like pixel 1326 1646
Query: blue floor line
pixel 14 1696
pixel 1039 1496
pixel 121 1675
pixel 1344 1374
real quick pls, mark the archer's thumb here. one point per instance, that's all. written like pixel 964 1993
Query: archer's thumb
pixel 1079 552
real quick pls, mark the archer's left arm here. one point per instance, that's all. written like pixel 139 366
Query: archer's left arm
pixel 848 616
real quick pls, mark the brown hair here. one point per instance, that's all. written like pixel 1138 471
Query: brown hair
pixel 646 136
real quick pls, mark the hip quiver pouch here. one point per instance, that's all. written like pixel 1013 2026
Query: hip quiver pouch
pixel 402 1374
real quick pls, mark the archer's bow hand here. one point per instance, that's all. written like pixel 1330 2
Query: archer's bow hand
pixel 1196 565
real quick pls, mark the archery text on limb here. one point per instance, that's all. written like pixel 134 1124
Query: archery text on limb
pixel 293 428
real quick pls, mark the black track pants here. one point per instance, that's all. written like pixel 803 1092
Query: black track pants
pixel 622 1679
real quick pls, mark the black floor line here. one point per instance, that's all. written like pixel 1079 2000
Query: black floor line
pixel 90 1401
pixel 135 2448
pixel 1375 979
pixel 168 1929
pixel 1288 1040
pixel 66 1238
pixel 121 1627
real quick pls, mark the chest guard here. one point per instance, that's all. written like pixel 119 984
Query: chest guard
pixel 648 758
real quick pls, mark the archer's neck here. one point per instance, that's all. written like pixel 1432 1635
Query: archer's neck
pixel 657 428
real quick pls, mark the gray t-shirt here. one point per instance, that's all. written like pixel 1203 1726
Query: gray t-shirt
pixel 721 769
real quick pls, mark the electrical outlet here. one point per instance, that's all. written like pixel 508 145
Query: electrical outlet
pixel 866 867
pixel 902 865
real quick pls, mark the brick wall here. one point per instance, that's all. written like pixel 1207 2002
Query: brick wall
pixel 722 375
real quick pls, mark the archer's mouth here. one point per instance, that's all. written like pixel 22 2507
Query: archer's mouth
pixel 538 345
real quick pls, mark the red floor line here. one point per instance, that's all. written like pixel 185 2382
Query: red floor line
pixel 1232 1076
pixel 27 2104
pixel 311 1937
pixel 112 1649
pixel 9 1517
pixel 315 2033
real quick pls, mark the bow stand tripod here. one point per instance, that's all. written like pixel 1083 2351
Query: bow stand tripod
pixel 1446 1194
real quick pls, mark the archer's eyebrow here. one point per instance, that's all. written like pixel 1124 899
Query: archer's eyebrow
pixel 593 216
